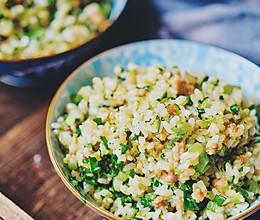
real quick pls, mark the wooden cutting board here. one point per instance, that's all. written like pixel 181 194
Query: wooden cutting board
pixel 8 210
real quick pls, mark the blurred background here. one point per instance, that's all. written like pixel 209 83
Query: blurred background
pixel 27 176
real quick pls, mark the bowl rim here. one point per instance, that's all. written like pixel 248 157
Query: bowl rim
pixel 249 211
pixel 110 21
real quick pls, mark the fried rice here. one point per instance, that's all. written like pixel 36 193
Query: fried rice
pixel 161 143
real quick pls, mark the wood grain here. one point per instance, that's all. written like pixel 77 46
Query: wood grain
pixel 28 176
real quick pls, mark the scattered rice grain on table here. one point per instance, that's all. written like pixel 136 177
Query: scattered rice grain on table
pixel 158 143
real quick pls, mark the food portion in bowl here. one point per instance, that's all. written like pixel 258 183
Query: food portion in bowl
pixel 37 28
pixel 160 143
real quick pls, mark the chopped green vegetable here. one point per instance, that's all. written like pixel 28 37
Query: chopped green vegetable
pixel 162 156
pixel 234 109
pixel 78 131
pixel 136 136
pixel 136 218
pixel 196 147
pixel 182 128
pixel 160 122
pixel 238 188
pixel 98 121
pixel 84 160
pixel 253 186
pixel 228 89
pixel 145 202
pixel 73 165
pixel 215 83
pixel 132 173
pixel 121 79
pixel 156 182
pixel 168 145
pixel 251 107
pixel 256 140
pixel 175 67
pixel 122 176
pixel 201 101
pixel 175 139
pixel 188 202
pixel 124 148
pixel 212 206
pixel 164 95
pixel 94 165
pixel 204 80
pixel 104 142
pixel 200 111
pixel 190 102
pixel 203 163
pixel 221 97
pixel 219 200
pixel 76 98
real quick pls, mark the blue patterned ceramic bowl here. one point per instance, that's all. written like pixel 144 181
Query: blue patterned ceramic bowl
pixel 35 71
pixel 187 55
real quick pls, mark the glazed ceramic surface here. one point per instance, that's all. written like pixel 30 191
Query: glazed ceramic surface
pixel 31 72
pixel 187 55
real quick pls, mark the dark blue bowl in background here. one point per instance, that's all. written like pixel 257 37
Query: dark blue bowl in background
pixel 39 71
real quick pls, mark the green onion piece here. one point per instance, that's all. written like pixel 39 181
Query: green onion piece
pixel 221 97
pixel 90 181
pixel 196 147
pixel 124 148
pixel 136 218
pixel 78 131
pixel 168 145
pixel 84 160
pixel 145 202
pixel 203 163
pixel 212 206
pixel 251 107
pixel 219 199
pixel 190 103
pixel 164 95
pixel 201 101
pixel 162 156
pixel 160 122
pixel 98 121
pixel 234 109
pixel 146 87
pixel 228 89
pixel 120 165
pixel 104 142
pixel 94 165
pixel 256 140
pixel 253 186
pixel 132 173
pixel 215 83
pixel 238 189
pixel 122 176
pixel 188 202
pixel 181 129
pixel 73 165
pixel 175 139
pixel 76 98
pixel 156 182
pixel 175 67
pixel 200 110
pixel 136 136
pixel 204 80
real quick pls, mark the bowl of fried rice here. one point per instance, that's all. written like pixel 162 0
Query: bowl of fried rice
pixel 160 129
pixel 41 40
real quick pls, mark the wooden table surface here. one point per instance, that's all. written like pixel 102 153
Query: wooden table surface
pixel 27 176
